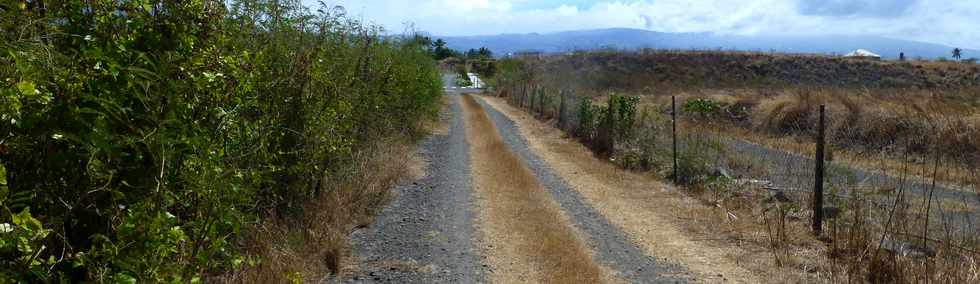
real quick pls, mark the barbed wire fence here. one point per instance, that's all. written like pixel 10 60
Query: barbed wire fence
pixel 901 212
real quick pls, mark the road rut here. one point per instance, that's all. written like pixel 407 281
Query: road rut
pixel 427 233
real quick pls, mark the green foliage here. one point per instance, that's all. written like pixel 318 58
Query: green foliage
pixel 625 116
pixel 21 245
pixel 586 119
pixel 604 125
pixel 509 74
pixel 695 158
pixel 146 136
pixel 462 78
pixel 440 51
pixel 702 107
pixel 486 68
pixel 479 54
pixel 605 139
pixel 651 123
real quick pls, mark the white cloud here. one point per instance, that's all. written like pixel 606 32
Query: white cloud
pixel 953 23
pixel 476 6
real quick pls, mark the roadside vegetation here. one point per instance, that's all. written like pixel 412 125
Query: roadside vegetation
pixel 908 120
pixel 203 140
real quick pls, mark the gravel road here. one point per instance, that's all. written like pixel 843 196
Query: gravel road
pixel 612 246
pixel 426 234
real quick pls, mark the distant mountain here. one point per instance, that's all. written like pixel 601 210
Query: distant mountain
pixel 633 38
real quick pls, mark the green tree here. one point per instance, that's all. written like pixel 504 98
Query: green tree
pixel 440 51
pixel 479 54
pixel 485 53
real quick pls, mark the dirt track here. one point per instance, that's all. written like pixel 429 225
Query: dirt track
pixel 427 233
pixel 495 205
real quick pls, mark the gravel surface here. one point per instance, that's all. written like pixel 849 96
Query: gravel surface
pixel 426 234
pixel 612 246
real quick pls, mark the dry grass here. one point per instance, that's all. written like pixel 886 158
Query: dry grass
pixel 768 238
pixel 895 123
pixel 314 246
pixel 531 239
pixel 865 129
pixel 703 237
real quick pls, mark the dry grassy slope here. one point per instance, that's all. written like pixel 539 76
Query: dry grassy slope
pixel 637 71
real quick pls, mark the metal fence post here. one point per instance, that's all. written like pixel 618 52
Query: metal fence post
pixel 818 180
pixel 673 119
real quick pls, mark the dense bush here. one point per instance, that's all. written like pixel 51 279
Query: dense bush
pixel 602 127
pixel 586 120
pixel 139 138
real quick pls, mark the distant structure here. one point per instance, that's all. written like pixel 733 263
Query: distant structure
pixel 477 83
pixel 901 56
pixel 526 54
pixel 957 53
pixel 862 54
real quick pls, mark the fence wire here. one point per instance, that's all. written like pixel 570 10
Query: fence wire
pixel 896 204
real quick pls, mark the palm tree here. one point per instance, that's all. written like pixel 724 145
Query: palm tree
pixel 957 53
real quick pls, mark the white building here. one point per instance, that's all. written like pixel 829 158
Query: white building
pixel 477 83
pixel 863 54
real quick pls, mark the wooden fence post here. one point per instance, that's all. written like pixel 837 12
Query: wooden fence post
pixel 673 119
pixel 818 178
pixel 561 110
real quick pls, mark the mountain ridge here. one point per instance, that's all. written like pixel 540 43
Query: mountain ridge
pixel 627 38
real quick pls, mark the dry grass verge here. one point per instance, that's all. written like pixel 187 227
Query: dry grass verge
pixel 314 246
pixel 718 243
pixel 531 240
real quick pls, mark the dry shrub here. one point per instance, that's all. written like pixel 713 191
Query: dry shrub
pixel 789 113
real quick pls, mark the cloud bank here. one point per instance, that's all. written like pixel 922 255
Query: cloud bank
pixel 955 23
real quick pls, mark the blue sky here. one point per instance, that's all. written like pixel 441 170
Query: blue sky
pixel 955 23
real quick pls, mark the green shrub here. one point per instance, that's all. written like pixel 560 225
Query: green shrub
pixel 625 116
pixel 605 140
pixel 701 107
pixel 586 119
pixel 695 159
pixel 147 136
